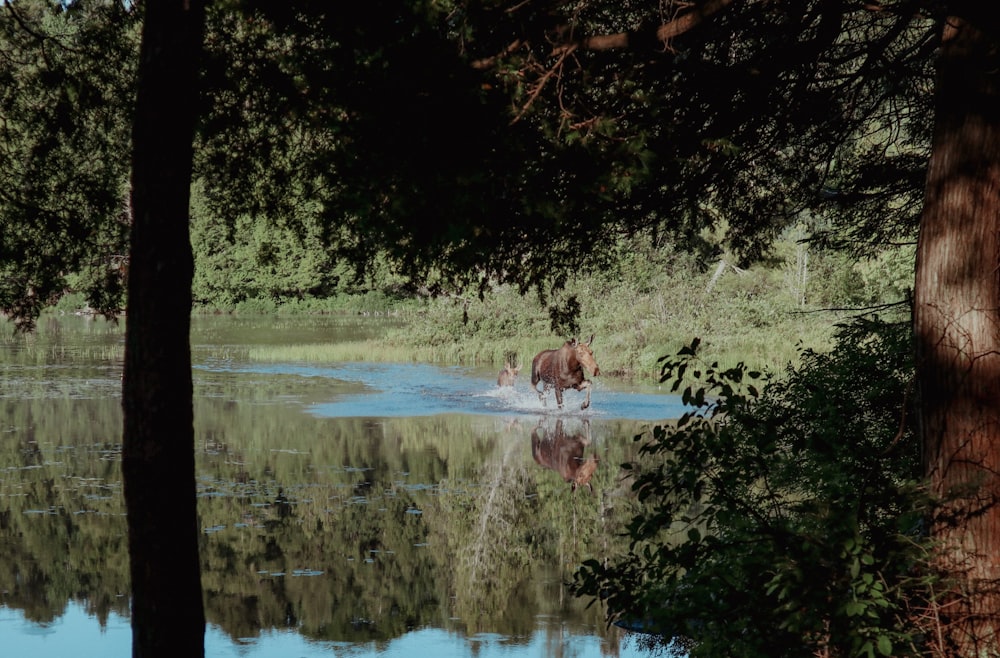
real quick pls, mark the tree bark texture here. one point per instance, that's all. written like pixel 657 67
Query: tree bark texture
pixel 168 616
pixel 957 327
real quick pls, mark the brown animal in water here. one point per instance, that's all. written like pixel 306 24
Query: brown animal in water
pixel 563 368
pixel 508 375
pixel 564 454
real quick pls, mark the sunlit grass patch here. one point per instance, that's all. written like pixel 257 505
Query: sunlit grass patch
pixel 365 350
pixel 382 351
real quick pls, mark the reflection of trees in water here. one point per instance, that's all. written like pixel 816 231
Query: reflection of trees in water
pixel 351 530
pixel 491 567
pixel 62 532
pixel 330 559
pixel 518 536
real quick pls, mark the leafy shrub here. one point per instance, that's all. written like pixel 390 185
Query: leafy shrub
pixel 779 517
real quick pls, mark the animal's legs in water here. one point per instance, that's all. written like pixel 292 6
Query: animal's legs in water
pixel 541 393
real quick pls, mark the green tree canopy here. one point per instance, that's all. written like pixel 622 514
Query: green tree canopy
pixel 66 90
pixel 381 127
pixel 473 142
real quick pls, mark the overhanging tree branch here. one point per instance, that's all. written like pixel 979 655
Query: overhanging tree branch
pixel 696 14
pixel 685 22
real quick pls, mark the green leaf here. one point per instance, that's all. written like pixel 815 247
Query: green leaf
pixel 855 608
pixel 884 645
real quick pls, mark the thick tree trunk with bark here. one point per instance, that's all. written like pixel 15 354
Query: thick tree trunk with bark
pixel 957 325
pixel 168 616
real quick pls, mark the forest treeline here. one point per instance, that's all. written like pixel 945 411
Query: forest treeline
pixel 648 302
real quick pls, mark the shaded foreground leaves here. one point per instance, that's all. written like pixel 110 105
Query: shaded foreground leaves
pixel 781 518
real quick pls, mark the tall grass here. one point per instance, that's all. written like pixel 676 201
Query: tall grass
pixel 637 315
pixel 366 350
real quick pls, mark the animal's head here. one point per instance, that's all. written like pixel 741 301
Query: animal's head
pixel 508 375
pixel 585 355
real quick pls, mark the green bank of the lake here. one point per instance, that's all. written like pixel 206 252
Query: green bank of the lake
pixel 506 326
pixel 655 302
pixel 490 332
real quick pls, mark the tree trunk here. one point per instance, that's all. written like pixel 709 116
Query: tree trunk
pixel 168 616
pixel 957 327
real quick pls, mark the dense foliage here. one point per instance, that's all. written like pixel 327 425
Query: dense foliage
pixel 782 517
pixel 380 131
pixel 463 143
pixel 66 89
pixel 759 116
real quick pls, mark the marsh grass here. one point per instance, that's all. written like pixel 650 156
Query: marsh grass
pixel 392 350
pixel 366 350
pixel 618 354
pixel 637 316
pixel 43 346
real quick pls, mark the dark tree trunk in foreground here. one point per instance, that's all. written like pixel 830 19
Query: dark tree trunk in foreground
pixel 957 325
pixel 168 617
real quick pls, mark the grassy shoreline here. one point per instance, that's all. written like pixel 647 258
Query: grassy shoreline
pixel 650 306
pixel 434 331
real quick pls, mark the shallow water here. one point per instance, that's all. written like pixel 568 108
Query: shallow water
pixel 354 509
pixel 407 389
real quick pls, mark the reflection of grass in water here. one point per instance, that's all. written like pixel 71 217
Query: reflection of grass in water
pixel 35 353
pixel 64 341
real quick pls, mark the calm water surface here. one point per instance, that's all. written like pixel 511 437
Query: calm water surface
pixel 347 509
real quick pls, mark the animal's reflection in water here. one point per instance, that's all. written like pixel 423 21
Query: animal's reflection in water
pixel 563 453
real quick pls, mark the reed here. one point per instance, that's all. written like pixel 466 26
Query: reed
pixel 34 353
pixel 365 350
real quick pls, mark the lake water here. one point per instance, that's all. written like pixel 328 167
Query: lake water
pixel 348 509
